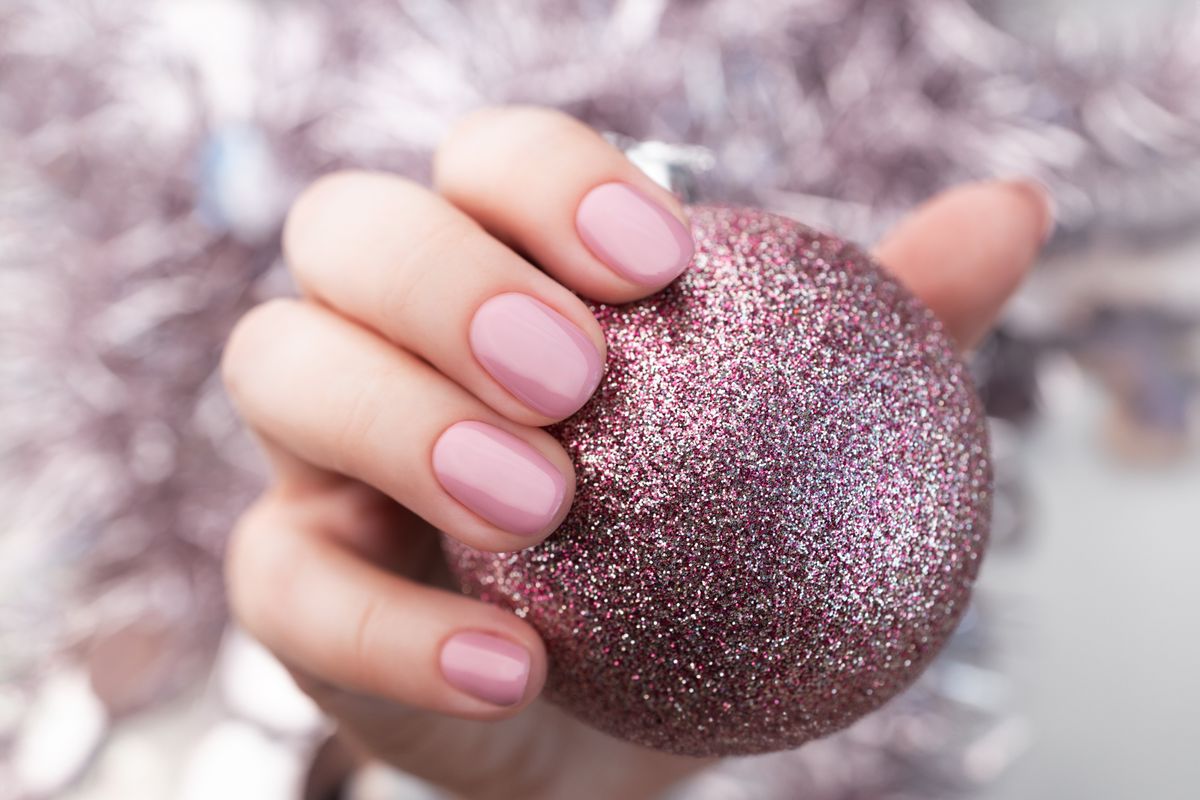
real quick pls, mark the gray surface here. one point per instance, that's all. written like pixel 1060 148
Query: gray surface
pixel 1105 601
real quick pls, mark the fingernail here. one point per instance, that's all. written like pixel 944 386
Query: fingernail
pixel 536 353
pixel 633 235
pixel 1040 194
pixel 499 477
pixel 492 669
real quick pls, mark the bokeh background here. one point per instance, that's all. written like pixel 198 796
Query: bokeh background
pixel 149 148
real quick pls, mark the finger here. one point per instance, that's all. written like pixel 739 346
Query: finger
pixel 966 251
pixel 404 262
pixel 339 397
pixel 575 204
pixel 541 753
pixel 322 608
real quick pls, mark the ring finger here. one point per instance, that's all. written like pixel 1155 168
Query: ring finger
pixel 397 424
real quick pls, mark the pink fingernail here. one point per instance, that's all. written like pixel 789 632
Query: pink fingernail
pixel 633 235
pixel 537 354
pixel 487 667
pixel 498 476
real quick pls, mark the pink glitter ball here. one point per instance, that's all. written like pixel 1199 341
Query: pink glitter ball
pixel 783 499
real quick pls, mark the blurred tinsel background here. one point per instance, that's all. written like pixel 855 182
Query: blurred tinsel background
pixel 149 151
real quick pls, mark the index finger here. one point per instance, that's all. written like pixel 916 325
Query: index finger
pixel 554 189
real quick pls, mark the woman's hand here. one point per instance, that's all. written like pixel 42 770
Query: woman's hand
pixel 405 393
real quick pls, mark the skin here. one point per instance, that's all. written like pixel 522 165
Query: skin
pixel 336 567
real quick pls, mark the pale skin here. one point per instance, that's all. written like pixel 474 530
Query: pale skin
pixel 337 568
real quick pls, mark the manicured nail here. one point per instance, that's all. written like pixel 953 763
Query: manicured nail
pixel 633 235
pixel 499 477
pixel 536 353
pixel 487 667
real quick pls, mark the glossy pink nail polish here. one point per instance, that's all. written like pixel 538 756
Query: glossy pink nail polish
pixel 498 476
pixel 536 353
pixel 636 237
pixel 487 667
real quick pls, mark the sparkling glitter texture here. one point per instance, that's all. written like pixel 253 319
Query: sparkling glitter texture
pixel 783 498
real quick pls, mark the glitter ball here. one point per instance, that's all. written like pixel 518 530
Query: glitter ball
pixel 783 498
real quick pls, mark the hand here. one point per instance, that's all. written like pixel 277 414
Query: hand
pixel 404 394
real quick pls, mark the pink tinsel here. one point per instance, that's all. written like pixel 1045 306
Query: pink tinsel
pixel 149 149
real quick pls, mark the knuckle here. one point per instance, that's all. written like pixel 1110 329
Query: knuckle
pixel 334 211
pixel 354 437
pixel 466 131
pixel 437 238
pixel 323 194
pixel 363 650
pixel 314 203
pixel 525 133
pixel 249 341
pixel 258 559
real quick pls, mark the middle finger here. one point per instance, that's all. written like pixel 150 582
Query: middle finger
pixel 342 399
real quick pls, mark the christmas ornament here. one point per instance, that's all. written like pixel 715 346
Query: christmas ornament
pixel 783 497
